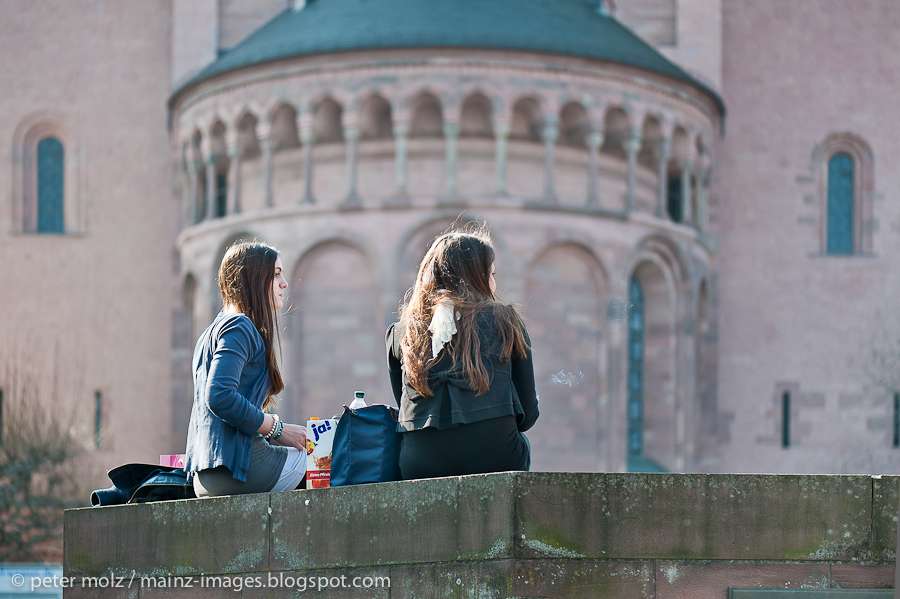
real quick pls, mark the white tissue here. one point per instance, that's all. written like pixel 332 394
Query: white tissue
pixel 443 325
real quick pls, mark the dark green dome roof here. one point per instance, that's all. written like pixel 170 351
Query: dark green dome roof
pixel 571 27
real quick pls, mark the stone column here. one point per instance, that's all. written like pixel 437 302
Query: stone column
pixel 193 215
pixel 184 178
pixel 401 133
pixel 703 195
pixel 594 141
pixel 308 139
pixel 234 177
pixel 451 135
pixel 632 146
pixel 210 160
pixel 549 136
pixel 663 152
pixel 501 135
pixel 268 146
pixel 687 216
pixel 351 139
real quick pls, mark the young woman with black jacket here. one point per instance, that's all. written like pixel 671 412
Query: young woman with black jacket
pixel 460 366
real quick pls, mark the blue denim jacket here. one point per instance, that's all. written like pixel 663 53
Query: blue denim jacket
pixel 231 381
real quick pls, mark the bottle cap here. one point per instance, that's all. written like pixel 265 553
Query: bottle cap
pixel 313 418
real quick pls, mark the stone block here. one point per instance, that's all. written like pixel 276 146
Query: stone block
pixel 885 502
pixel 692 516
pixel 486 516
pixel 334 583
pixel 859 576
pixel 191 588
pixel 82 592
pixel 467 580
pixel 221 535
pixel 711 580
pixel 436 520
pixel 290 528
pixel 583 579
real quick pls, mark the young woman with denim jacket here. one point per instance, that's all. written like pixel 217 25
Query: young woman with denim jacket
pixel 460 366
pixel 234 445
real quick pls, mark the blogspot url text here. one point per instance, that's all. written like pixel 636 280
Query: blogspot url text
pixel 235 583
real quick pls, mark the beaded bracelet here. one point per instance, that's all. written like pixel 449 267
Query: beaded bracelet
pixel 271 434
pixel 279 426
pixel 276 431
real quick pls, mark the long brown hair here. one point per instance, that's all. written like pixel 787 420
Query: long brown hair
pixel 246 276
pixel 458 267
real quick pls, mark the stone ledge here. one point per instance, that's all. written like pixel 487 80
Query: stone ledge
pixel 504 519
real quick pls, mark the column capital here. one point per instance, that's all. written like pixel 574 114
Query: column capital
pixel 702 173
pixel 307 136
pixel 632 145
pixel 704 162
pixel 231 140
pixel 686 164
pixel 351 134
pixel 267 144
pixel 401 129
pixel 194 167
pixel 451 129
pixel 349 120
pixel 595 139
pixel 205 148
pixel 550 132
pixel 263 131
pixel 501 129
pixel 304 122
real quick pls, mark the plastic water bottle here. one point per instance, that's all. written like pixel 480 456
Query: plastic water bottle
pixel 358 400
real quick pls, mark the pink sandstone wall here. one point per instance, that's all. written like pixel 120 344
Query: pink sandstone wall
pixel 90 310
pixel 790 317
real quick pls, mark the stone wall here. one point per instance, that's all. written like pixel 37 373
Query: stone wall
pixel 499 535
pixel 88 311
pixel 793 318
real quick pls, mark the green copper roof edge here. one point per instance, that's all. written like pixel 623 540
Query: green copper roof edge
pixel 271 52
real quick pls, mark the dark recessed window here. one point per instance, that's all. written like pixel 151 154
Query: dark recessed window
pixel 674 202
pixel 840 204
pixel 896 440
pixel 221 195
pixel 636 370
pixel 786 419
pixel 98 419
pixel 50 178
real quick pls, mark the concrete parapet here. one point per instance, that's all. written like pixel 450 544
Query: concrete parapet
pixel 503 535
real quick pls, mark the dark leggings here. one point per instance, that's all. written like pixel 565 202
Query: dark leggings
pixel 494 445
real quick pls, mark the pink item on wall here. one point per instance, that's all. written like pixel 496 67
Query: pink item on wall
pixel 175 460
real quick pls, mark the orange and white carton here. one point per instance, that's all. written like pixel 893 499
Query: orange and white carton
pixel 319 441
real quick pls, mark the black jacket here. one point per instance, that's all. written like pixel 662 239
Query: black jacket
pixel 511 392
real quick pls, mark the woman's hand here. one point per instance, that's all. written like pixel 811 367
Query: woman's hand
pixel 293 435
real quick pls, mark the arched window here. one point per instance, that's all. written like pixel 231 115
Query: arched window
pixel 45 182
pixel 50 186
pixel 637 459
pixel 673 198
pixel 635 435
pixel 841 190
pixel 844 167
pixel 221 194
